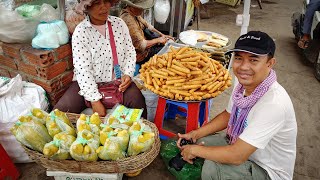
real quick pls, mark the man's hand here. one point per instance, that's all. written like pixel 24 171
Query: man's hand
pixel 98 107
pixel 188 136
pixel 187 153
pixel 125 83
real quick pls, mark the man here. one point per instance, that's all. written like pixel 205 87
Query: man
pixel 260 121
pixel 312 7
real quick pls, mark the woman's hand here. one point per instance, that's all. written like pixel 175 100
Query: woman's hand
pixel 98 107
pixel 168 37
pixel 187 153
pixel 191 135
pixel 162 40
pixel 125 83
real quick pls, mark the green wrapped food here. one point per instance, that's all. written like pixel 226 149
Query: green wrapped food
pixel 39 115
pixel 31 134
pixel 85 146
pixel 140 140
pixel 90 124
pixel 59 148
pixel 58 122
pixel 111 150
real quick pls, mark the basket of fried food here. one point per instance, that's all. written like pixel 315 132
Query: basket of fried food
pixel 84 144
pixel 184 74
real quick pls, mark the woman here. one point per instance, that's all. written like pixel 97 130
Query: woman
pixel 145 47
pixel 93 61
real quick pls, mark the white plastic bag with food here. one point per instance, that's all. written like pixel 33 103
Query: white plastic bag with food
pixel 18 29
pixel 161 11
pixel 16 99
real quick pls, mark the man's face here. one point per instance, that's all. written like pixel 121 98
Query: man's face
pixel 99 10
pixel 251 69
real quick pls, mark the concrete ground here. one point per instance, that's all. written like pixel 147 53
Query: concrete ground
pixel 293 73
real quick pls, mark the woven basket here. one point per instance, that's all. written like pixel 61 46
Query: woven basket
pixel 126 165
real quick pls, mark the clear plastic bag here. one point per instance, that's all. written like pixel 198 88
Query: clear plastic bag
pixel 91 124
pixel 141 138
pixel 18 29
pixel 31 134
pixel 85 146
pixel 51 35
pixel 58 122
pixel 111 150
pixel 124 115
pixel 59 148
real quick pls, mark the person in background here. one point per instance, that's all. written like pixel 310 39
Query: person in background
pixel 147 40
pixel 312 7
pixel 93 61
pixel 260 121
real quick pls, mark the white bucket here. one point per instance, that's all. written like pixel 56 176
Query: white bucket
pixel 152 103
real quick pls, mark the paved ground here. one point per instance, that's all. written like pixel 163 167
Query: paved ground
pixel 295 75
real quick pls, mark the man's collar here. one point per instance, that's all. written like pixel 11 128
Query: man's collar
pixel 87 23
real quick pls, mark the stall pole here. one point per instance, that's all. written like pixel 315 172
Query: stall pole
pixel 180 17
pixel 173 12
pixel 62 9
pixel 244 30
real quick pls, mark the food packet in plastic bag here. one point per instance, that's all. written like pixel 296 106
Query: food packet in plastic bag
pixel 58 122
pixel 140 140
pixel 31 134
pixel 27 10
pixel 59 148
pixel 39 114
pixel 85 146
pixel 169 150
pixel 123 115
pixel 91 124
pixel 111 150
pixel 116 132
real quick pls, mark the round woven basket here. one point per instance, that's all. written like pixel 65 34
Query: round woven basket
pixel 126 165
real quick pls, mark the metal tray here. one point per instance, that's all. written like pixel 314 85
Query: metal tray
pixel 166 47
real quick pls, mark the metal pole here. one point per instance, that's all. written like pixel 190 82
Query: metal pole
pixel 62 9
pixel 180 17
pixel 246 17
pixel 173 9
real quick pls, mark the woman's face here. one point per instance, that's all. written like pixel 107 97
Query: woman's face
pixel 99 11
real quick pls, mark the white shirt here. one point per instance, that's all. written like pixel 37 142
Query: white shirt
pixel 92 55
pixel 272 128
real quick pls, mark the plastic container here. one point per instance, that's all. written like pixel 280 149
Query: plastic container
pixel 152 102
pixel 62 175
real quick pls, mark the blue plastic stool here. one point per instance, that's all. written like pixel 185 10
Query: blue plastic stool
pixel 197 113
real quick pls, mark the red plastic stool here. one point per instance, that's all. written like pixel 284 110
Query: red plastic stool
pixel 7 168
pixel 193 114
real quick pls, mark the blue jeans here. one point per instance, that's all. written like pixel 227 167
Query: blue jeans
pixel 312 7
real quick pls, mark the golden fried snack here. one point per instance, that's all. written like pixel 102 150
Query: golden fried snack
pixel 185 74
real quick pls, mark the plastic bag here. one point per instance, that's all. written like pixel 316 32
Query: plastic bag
pixel 91 124
pixel 169 150
pixel 51 35
pixel 115 132
pixel 58 122
pixel 31 134
pixel 85 146
pixel 18 29
pixel 111 150
pixel 141 138
pixel 26 10
pixel 59 148
pixel 161 11
pixel 17 97
pixel 122 114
